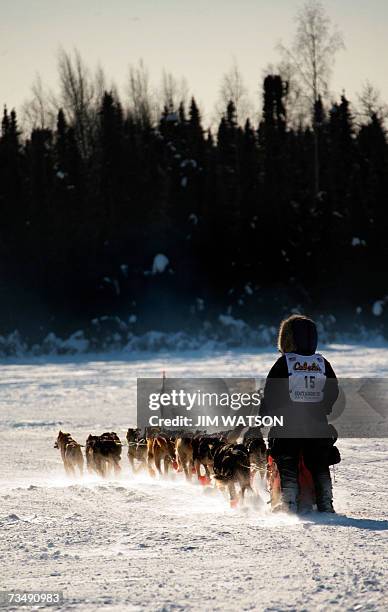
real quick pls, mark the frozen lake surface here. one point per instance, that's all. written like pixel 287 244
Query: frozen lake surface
pixel 142 544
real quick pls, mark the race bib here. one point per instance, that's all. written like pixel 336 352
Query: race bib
pixel 306 377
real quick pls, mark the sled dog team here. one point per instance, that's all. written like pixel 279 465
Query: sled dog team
pixel 217 457
pixel 301 385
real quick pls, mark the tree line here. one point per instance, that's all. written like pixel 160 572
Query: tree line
pixel 235 213
pixel 139 210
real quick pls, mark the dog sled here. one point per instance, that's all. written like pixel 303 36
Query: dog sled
pixel 306 497
pixel 306 487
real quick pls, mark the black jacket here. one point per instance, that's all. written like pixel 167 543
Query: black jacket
pixel 301 419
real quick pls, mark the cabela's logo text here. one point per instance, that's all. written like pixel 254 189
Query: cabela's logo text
pixel 307 367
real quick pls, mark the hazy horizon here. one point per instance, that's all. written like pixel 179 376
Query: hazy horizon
pixel 198 41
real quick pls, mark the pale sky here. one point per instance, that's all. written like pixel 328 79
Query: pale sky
pixel 197 39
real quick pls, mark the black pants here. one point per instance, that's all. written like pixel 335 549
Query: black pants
pixel 287 451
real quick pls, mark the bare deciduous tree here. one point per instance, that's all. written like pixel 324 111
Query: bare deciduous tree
pixel 100 84
pixel 311 58
pixel 141 103
pixel 234 89
pixel 173 91
pixel 370 103
pixel 313 50
pixel 80 96
pixel 39 111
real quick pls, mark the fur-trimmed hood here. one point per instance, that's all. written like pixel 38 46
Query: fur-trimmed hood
pixel 298 334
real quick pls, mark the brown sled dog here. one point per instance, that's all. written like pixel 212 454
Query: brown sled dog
pixel 103 453
pixel 137 449
pixel 71 453
pixel 184 454
pixel 161 449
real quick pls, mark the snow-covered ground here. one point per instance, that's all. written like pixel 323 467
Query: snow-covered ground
pixel 137 544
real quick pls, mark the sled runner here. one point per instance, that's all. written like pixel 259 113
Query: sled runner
pixel 273 482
